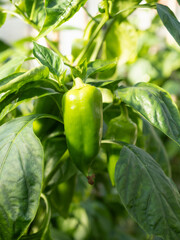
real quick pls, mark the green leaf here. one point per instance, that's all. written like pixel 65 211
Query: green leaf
pixel 21 168
pixel 57 234
pixel 155 105
pixel 155 147
pixel 116 6
pixel 55 149
pixel 7 79
pixel 121 42
pixel 62 195
pixel 16 83
pixel 26 94
pixel 170 21
pixel 99 218
pixel 149 196
pixel 40 224
pixel 11 66
pixel 2 17
pixel 48 58
pixel 35 10
pixel 58 12
pixel 3 46
pixel 99 66
pixel 102 83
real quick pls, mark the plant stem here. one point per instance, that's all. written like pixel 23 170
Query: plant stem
pixel 124 111
pixel 94 19
pixel 107 10
pixel 27 20
pixel 107 107
pixel 101 40
pixel 12 13
pixel 94 35
pixel 134 7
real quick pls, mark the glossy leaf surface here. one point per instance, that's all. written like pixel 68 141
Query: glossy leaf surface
pixel 149 196
pixel 58 12
pixel 154 104
pixel 170 21
pixel 48 58
pixel 21 168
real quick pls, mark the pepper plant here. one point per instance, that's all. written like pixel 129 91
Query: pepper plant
pixel 86 141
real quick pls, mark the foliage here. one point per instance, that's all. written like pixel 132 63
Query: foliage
pixel 134 178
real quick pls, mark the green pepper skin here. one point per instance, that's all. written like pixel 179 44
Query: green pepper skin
pixel 83 119
pixel 120 128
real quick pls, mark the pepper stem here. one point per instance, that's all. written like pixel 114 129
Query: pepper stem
pixel 124 111
pixel 78 83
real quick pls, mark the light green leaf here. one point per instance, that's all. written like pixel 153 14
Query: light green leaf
pixel 121 42
pixel 170 21
pixel 100 66
pixel 26 94
pixel 48 58
pixel 35 10
pixel 155 105
pixel 115 6
pixel 102 83
pixel 11 66
pixel 58 12
pixel 35 74
pixel 21 168
pixel 149 196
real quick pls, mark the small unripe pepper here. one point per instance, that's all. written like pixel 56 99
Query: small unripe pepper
pixel 120 128
pixel 83 118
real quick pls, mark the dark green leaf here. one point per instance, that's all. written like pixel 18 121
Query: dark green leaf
pixel 149 196
pixel 170 21
pixel 3 46
pixel 154 104
pixel 40 224
pixel 21 168
pixel 2 17
pixel 62 195
pixel 48 58
pixel 155 147
pixel 55 147
pixel 99 219
pixel 58 12
pixel 57 235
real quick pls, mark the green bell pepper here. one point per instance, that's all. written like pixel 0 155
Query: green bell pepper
pixel 83 119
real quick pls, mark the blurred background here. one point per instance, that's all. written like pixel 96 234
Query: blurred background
pixel 15 29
